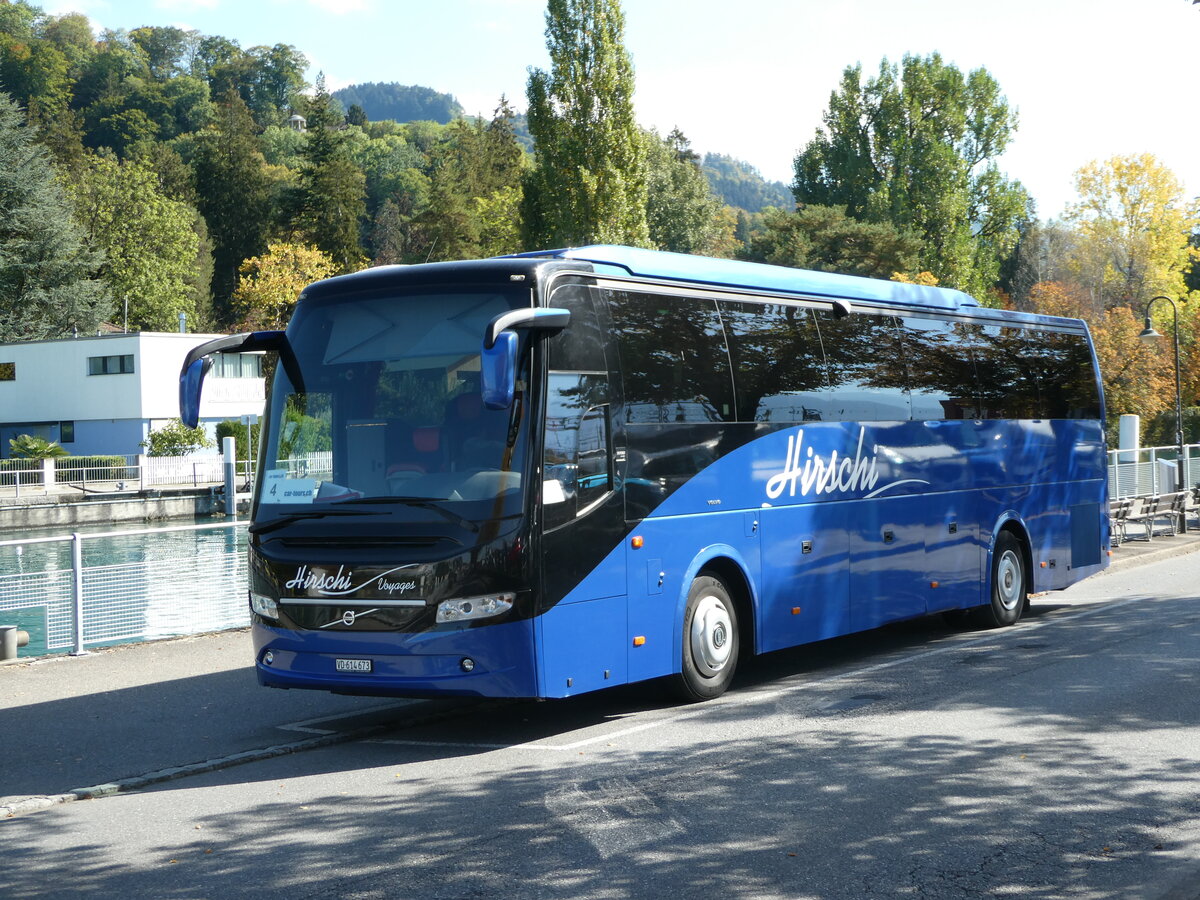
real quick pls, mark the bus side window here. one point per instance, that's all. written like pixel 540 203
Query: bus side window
pixel 675 365
pixel 1064 370
pixel 577 466
pixel 779 367
pixel 1008 380
pixel 866 367
pixel 941 368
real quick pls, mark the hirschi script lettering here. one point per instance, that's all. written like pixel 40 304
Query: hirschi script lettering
pixel 342 583
pixel 816 474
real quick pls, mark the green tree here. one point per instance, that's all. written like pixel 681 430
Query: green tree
pixel 474 207
pixel 824 238
pixel 233 194
pixel 588 183
pixel 164 48
pixel 917 146
pixel 328 204
pixel 175 439
pixel 47 283
pixel 681 212
pixel 150 241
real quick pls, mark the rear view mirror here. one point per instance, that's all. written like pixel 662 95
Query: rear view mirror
pixel 191 380
pixel 498 356
pixel 197 363
pixel 498 371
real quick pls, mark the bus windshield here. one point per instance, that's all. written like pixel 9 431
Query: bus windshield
pixel 379 401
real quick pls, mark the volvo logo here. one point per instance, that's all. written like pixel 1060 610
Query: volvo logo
pixel 349 617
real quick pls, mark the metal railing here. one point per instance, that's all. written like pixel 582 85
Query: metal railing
pixel 1151 471
pixel 121 474
pixel 91 589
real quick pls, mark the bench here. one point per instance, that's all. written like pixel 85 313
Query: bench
pixel 1143 511
pixel 1146 511
pixel 1118 518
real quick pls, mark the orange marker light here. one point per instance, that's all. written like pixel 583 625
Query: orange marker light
pixel 933 584
pixel 1043 565
pixel 639 641
pixel 637 541
pixel 795 610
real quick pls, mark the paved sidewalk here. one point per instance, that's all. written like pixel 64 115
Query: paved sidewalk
pixel 1137 550
pixel 125 716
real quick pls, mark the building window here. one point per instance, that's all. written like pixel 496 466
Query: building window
pixel 237 365
pixel 66 432
pixel 110 365
pixel 8 371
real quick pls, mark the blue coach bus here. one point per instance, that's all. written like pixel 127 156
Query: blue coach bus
pixel 545 474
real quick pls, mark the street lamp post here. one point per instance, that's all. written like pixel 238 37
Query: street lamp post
pixel 1149 335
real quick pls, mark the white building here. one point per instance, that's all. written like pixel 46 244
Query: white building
pixel 105 394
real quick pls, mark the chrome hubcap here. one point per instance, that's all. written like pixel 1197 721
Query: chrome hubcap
pixel 1009 585
pixel 711 636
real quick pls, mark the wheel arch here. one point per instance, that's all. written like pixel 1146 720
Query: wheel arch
pixel 724 562
pixel 1012 522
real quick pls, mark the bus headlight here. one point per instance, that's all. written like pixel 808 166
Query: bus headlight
pixel 267 607
pixel 474 607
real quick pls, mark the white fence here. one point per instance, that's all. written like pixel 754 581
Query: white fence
pixel 1151 471
pixel 84 590
pixel 114 474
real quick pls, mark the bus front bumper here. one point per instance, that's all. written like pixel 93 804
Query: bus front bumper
pixel 494 661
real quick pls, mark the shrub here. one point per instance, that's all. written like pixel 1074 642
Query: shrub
pixel 29 446
pixel 175 439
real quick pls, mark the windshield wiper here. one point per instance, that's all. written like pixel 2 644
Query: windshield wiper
pixel 426 503
pixel 263 527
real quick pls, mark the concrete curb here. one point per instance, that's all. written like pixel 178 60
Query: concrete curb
pixel 429 712
pixel 1158 554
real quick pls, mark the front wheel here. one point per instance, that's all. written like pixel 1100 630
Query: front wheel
pixel 1010 583
pixel 710 641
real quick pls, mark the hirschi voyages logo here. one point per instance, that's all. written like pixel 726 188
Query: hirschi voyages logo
pixel 341 583
pixel 815 474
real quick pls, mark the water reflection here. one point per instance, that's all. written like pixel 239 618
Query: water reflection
pixel 136 586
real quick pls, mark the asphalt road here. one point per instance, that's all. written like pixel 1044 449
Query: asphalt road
pixel 1059 758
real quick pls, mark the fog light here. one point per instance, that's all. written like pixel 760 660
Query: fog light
pixel 467 664
pixel 268 657
pixel 474 607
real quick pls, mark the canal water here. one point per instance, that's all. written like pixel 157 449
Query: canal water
pixel 136 586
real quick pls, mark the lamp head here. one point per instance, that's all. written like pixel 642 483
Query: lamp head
pixel 1149 335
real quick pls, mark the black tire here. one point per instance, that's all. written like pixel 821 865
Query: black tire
pixel 710 641
pixel 1009 583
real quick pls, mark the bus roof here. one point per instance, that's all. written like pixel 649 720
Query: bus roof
pixel 756 276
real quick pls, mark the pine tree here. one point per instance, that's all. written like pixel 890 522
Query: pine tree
pixel 234 195
pixel 329 204
pixel 589 181
pixel 47 287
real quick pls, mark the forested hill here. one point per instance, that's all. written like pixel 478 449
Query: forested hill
pixel 400 102
pixel 739 184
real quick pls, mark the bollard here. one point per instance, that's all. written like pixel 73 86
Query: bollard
pixel 228 448
pixel 11 637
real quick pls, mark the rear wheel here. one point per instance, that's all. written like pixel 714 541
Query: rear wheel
pixel 1010 583
pixel 710 641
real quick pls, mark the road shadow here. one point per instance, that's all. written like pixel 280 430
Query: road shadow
pixel 842 803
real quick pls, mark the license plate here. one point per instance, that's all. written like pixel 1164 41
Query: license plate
pixel 352 665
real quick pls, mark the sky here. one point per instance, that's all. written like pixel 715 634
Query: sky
pixel 1090 79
